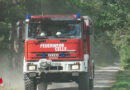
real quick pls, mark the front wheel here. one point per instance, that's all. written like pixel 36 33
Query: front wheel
pixel 91 84
pixel 84 81
pixel 30 83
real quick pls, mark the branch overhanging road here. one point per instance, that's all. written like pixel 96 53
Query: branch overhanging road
pixel 104 79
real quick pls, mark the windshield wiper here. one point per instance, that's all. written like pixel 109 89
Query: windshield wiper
pixel 64 36
pixel 41 37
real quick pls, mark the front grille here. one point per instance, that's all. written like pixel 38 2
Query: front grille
pixel 39 55
pixel 48 57
pixel 49 52
pixel 36 57
pixel 54 68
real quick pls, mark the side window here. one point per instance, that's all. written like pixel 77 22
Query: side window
pixel 89 29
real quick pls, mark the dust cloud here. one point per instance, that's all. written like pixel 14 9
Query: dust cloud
pixel 11 71
pixel 105 53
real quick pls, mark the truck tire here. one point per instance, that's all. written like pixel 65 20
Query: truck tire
pixel 84 81
pixel 91 83
pixel 42 85
pixel 30 83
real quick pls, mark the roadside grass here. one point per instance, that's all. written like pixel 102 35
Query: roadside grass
pixel 122 81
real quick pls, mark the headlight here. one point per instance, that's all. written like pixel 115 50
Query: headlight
pixel 32 67
pixel 75 67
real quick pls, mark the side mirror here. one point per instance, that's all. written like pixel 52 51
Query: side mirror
pixel 84 38
pixel 23 41
pixel 89 30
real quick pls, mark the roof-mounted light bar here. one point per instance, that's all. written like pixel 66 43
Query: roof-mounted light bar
pixel 78 15
pixel 28 16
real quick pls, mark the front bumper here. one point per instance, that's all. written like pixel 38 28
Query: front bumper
pixel 49 66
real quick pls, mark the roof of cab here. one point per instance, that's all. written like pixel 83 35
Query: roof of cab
pixel 52 16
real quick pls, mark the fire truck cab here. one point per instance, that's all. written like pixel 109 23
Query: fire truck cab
pixel 58 48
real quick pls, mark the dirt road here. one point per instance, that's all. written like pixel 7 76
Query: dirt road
pixel 103 80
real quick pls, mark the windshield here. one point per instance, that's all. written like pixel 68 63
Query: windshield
pixel 53 30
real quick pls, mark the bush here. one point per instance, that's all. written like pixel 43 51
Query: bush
pixel 121 40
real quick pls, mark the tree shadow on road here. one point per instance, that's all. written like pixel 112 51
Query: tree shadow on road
pixel 101 88
pixel 75 88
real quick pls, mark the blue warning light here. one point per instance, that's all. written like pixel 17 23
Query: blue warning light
pixel 43 55
pixel 78 15
pixel 62 54
pixel 28 16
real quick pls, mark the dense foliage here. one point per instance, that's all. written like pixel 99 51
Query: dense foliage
pixel 122 82
pixel 116 21
pixel 111 19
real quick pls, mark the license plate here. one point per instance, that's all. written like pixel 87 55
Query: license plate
pixel 53 55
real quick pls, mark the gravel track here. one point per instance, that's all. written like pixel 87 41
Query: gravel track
pixel 104 78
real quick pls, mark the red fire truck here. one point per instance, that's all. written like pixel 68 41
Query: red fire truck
pixel 58 48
